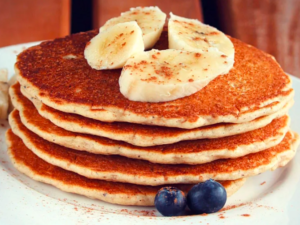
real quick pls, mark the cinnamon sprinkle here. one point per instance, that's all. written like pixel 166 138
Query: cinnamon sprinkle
pixel 232 207
pixel 221 216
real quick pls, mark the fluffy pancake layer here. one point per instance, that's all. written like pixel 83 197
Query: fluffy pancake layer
pixel 255 87
pixel 136 134
pixel 118 193
pixel 186 152
pixel 122 169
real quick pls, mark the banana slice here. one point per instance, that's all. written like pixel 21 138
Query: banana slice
pixel 192 35
pixel 150 19
pixel 3 75
pixel 111 49
pixel 11 82
pixel 159 76
pixel 3 100
pixel 3 93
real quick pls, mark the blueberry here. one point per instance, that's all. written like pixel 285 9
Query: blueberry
pixel 170 201
pixel 207 197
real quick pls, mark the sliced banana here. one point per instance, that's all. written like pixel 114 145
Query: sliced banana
pixel 111 49
pixel 3 93
pixel 192 35
pixel 159 76
pixel 150 19
pixel 3 75
pixel 11 82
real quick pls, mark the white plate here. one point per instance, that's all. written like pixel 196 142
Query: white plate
pixel 270 198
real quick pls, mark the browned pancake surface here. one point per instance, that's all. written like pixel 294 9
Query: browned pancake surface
pixel 22 155
pixel 125 128
pixel 256 78
pixel 119 164
pixel 185 147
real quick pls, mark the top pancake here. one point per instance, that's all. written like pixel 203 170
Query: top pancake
pixel 69 84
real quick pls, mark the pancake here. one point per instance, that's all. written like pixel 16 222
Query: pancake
pixel 122 169
pixel 255 87
pixel 186 152
pixel 118 193
pixel 136 134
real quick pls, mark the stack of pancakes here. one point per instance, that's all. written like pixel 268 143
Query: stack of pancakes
pixel 72 128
